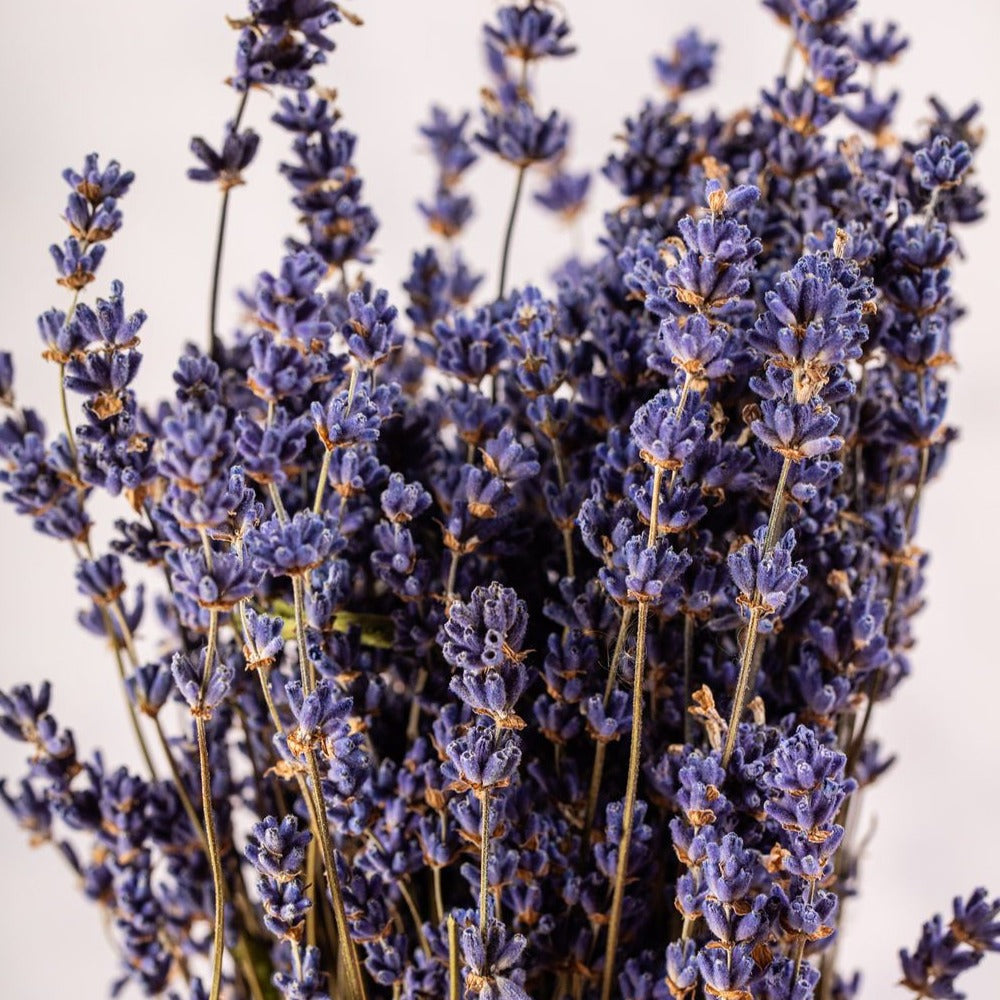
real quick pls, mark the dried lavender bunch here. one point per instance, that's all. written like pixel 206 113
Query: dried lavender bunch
pixel 412 762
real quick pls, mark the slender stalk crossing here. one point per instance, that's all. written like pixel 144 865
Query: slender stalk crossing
pixel 509 232
pixel 214 343
pixel 749 645
pixel 635 752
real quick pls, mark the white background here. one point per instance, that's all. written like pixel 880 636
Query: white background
pixel 136 80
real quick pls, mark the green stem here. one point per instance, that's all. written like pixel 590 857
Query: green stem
pixel 245 961
pixel 211 839
pixel 685 390
pixel 654 507
pixel 567 533
pixel 63 404
pixel 106 612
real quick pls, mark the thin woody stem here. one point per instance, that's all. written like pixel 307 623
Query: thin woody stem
pixel 600 752
pixel 324 472
pixel 64 407
pixel 186 803
pixel 635 748
pixel 857 744
pixel 438 894
pixel 484 858
pixel 218 925
pixel 306 669
pixel 411 905
pixel 631 786
pixel 129 707
pixel 567 533
pixel 749 645
pixel 800 945
pixel 509 232
pixel 214 343
pixel 449 595
pixel 347 946
pixel 685 389
pixel 454 975
pixel 211 839
pixel 63 404
pixel 106 619
pixel 688 664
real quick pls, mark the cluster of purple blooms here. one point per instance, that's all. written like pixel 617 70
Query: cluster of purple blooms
pixel 533 638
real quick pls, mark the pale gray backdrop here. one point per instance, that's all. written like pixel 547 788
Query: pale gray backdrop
pixel 136 80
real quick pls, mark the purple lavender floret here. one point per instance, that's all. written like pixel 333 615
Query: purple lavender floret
pixel 690 65
pixel 669 430
pixel 310 985
pixel 369 331
pixel 348 420
pixel 310 17
pixel 521 136
pixel 291 548
pixel 766 577
pixel 942 164
pixel 491 963
pixel 202 695
pixel 565 193
pixel 448 143
pixel 944 952
pixel 727 973
pixel 647 574
pixel 797 431
pixel 874 47
pixel 485 632
pixel 813 317
pixel 529 33
pixel 96 184
pixel 150 687
pixel 481 760
pixel 76 263
pixel 278 850
pixel 226 166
